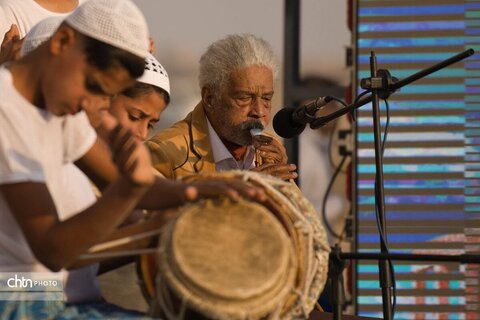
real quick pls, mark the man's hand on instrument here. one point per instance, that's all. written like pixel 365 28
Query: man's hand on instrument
pixel 270 150
pixel 233 189
pixel 274 158
pixel 281 171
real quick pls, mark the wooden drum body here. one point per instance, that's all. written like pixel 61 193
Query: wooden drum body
pixel 240 260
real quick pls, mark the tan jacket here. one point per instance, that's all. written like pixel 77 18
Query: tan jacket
pixel 183 149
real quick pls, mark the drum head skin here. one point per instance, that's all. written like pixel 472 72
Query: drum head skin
pixel 228 259
pixel 231 250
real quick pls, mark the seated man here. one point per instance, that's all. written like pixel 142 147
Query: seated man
pixel 236 79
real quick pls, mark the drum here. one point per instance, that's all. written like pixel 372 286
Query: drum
pixel 224 259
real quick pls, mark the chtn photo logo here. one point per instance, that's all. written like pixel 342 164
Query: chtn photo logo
pixel 23 282
pixel 31 286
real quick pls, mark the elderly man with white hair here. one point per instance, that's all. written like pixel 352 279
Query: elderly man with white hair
pixel 223 131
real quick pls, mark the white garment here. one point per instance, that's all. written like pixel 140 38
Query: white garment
pixel 34 146
pixel 81 284
pixel 224 160
pixel 25 14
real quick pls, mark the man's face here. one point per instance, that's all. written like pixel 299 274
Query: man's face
pixel 71 84
pixel 246 98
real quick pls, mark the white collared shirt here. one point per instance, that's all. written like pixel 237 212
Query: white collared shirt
pixel 224 160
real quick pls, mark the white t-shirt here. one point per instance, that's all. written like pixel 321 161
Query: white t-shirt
pixel 25 14
pixel 35 146
pixel 81 284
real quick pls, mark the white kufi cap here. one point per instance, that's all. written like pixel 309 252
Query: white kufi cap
pixel 155 74
pixel 116 22
pixel 40 33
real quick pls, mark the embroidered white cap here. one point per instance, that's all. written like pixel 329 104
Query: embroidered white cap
pixel 155 74
pixel 40 33
pixel 116 22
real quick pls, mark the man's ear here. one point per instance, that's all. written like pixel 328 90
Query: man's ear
pixel 62 39
pixel 207 97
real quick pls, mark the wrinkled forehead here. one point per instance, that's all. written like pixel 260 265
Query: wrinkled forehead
pixel 252 78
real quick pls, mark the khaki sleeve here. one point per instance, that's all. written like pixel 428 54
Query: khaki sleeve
pixel 160 160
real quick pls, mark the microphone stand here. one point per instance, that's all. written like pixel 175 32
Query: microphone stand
pixel 337 263
pixel 381 85
pixel 384 266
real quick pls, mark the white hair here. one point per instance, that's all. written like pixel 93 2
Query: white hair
pixel 233 52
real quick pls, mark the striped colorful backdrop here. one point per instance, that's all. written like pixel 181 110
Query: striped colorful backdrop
pixel 432 156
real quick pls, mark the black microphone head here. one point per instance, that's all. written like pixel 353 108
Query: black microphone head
pixel 284 126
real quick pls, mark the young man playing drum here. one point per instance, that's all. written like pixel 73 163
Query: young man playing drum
pixel 86 61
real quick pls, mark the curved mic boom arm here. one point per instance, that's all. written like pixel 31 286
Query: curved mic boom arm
pixel 389 87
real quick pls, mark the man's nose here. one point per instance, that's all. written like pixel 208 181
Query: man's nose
pixel 258 109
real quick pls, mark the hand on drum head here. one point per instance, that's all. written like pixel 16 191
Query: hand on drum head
pixel 281 171
pixel 233 189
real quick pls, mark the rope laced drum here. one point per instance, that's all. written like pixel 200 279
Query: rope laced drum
pixel 240 260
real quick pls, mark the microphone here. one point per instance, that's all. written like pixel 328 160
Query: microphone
pixel 290 122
